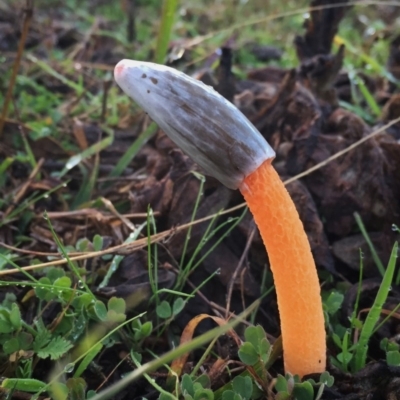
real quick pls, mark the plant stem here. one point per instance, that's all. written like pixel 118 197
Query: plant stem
pixel 293 268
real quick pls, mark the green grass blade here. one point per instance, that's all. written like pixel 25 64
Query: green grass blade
pixel 29 152
pixel 87 346
pixel 152 381
pixel 234 222
pixel 88 359
pixel 8 260
pixel 49 70
pixel 375 256
pixel 85 189
pixel 369 99
pixel 164 34
pixel 25 385
pixel 390 315
pixel 375 311
pixel 3 168
pixel 357 302
pixel 171 355
pixel 152 256
pixel 133 150
pixel 118 258
pixel 70 263
pixel 357 110
pixel 89 152
pixel 32 199
pixel 196 206
pixel 375 65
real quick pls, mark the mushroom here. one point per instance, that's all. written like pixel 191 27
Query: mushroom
pixel 215 134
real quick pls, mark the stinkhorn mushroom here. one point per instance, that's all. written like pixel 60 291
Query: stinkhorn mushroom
pixel 227 146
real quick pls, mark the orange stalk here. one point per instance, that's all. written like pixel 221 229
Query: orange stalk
pixel 293 268
pixel 227 146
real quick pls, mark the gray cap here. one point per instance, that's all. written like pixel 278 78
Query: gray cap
pixel 208 128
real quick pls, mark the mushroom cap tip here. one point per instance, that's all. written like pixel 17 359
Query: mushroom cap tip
pixel 208 128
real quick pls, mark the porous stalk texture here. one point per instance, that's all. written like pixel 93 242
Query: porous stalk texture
pixel 293 268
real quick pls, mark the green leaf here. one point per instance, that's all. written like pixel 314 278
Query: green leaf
pixel 281 384
pixel 336 339
pixel 83 244
pixel 327 379
pixel 25 340
pixel 228 395
pixel 254 334
pixel 55 273
pixel 114 317
pixel 11 346
pixel 187 385
pixel 333 303
pixel 100 310
pixel 92 393
pixel 164 310
pixel 15 317
pixel 283 396
pixel 248 354
pixel 97 242
pixel 43 292
pixel 5 326
pixel 392 346
pixel 303 391
pixel 243 386
pixel 9 298
pixel 203 380
pixel 41 339
pixel 204 394
pixel 62 282
pixel 55 349
pixel 257 337
pixel 116 304
pixel 82 301
pixel 178 306
pixel 356 323
pixel 141 331
pixel 25 385
pixel 88 359
pixel 344 358
pixel 146 329
pixel 76 388
pixel 393 358
pixel 264 350
pixel 136 324
pixel 59 391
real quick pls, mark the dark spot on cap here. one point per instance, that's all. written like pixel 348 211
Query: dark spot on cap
pixel 148 91
pixel 144 76
pixel 154 80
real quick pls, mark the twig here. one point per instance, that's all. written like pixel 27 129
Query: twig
pixel 106 87
pixel 24 187
pixel 126 248
pixel 237 270
pixel 25 28
pixel 342 152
